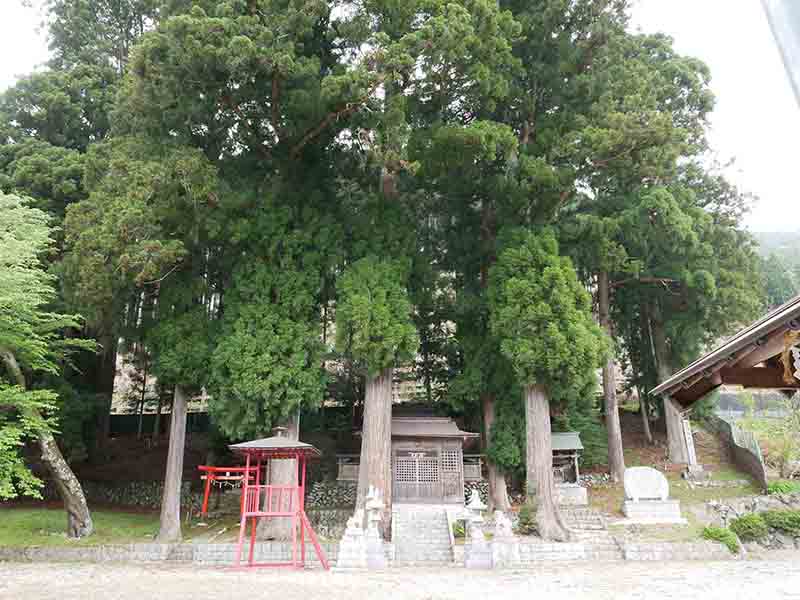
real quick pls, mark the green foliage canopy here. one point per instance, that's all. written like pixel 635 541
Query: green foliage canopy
pixel 373 315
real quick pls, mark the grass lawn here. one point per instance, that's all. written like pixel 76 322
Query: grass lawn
pixel 46 526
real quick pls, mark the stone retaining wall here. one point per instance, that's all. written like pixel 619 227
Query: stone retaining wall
pixel 221 555
pixel 203 554
pixel 675 551
pixel 744 448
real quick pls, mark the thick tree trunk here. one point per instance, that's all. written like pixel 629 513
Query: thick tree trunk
pixel 376 442
pixel 105 376
pixel 281 472
pixel 498 491
pixel 645 412
pixel 539 464
pixel 616 458
pixel 157 423
pixel 79 519
pixel 676 443
pixel 170 524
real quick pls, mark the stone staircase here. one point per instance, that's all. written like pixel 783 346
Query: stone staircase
pixel 420 535
pixel 589 527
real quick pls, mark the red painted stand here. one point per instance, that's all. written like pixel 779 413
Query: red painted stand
pixel 277 501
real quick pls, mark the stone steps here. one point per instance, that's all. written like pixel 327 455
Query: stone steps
pixel 420 536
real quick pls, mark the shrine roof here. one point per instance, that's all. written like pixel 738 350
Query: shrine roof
pixel 569 440
pixel 428 427
pixel 275 447
pixel 736 362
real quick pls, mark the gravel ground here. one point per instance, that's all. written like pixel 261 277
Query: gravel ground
pixel 731 580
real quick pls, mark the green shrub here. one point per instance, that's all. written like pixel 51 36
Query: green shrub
pixel 527 520
pixel 787 521
pixel 723 536
pixel 783 487
pixel 750 528
pixel 459 529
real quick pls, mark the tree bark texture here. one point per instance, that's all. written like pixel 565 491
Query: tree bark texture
pixel 616 458
pixel 539 464
pixel 644 409
pixel 170 524
pixel 281 472
pixel 676 443
pixel 375 467
pixel 79 519
pixel 157 422
pixel 105 377
pixel 498 491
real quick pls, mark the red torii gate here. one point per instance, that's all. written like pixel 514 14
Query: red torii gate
pixel 277 501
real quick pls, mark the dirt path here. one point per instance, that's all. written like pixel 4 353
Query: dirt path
pixel 732 580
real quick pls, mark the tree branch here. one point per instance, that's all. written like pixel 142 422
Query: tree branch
pixel 662 280
pixel 13 367
pixel 335 115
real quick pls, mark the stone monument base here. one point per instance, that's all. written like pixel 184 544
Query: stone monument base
pixel 647 512
pixel 571 494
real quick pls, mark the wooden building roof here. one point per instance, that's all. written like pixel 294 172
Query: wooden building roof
pixel 428 427
pixel 569 440
pixel 753 358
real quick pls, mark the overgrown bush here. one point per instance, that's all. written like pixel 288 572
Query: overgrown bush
pixel 749 528
pixel 723 536
pixel 787 521
pixel 459 529
pixel 783 487
pixel 526 525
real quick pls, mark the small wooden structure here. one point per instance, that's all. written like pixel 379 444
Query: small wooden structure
pixel 567 447
pixel 277 501
pixel 428 460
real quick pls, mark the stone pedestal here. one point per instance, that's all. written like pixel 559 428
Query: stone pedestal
pixel 505 545
pixel 571 494
pixel 653 511
pixel 353 545
pixel 477 553
pixel 376 553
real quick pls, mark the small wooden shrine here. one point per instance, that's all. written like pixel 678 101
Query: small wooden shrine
pixel 260 501
pixel 567 448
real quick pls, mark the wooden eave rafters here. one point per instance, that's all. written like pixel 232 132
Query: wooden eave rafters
pixel 751 358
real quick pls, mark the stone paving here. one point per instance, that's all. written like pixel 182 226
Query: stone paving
pixel 775 578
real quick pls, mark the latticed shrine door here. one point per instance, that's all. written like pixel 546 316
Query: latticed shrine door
pixel 452 476
pixel 416 476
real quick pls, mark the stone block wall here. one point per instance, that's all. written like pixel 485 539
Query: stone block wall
pixel 225 554
pixel 675 551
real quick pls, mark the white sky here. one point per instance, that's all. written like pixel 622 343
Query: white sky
pixel 756 120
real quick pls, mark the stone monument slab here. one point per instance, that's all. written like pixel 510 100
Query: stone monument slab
pixel 647 498
pixel 645 483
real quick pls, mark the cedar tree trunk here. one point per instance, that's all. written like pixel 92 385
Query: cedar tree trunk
pixel 376 442
pixel 79 519
pixel 281 472
pixel 643 408
pixel 676 444
pixel 170 525
pixel 539 464
pixel 157 422
pixel 105 376
pixel 616 458
pixel 498 492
